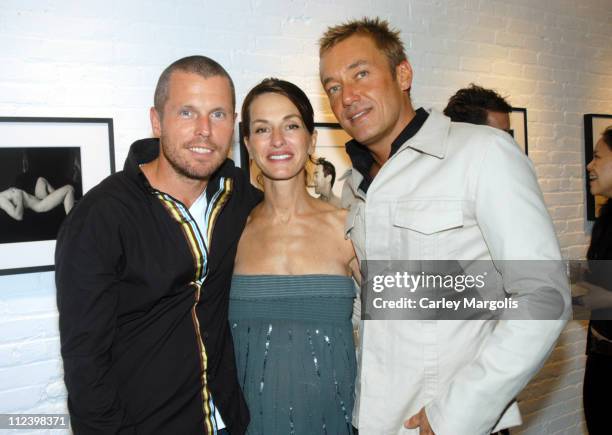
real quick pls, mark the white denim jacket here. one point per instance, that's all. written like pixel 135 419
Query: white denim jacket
pixel 462 192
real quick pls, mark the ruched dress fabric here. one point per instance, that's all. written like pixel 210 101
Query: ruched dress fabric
pixel 293 339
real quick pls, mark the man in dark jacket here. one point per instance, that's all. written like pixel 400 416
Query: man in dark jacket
pixel 143 271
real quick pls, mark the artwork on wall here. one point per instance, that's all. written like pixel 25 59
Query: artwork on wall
pixel 46 165
pixel 518 127
pixel 330 145
pixel 594 125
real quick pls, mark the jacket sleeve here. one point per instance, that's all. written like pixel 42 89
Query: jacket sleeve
pixel 515 224
pixel 87 257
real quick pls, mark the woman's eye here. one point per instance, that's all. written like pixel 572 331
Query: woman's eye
pixel 293 127
pixel 260 130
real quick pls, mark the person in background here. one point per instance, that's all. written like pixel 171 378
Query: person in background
pixel 292 294
pixel 598 369
pixel 478 105
pixel 324 177
pixel 425 188
pixel 143 270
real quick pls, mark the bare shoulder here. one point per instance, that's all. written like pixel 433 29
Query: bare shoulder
pixel 331 213
pixel 334 219
pixel 251 229
pixel 254 217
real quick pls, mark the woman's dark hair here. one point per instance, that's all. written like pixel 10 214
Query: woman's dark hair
pixel 600 247
pixel 607 136
pixel 281 87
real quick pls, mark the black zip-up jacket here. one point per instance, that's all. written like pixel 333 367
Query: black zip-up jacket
pixel 143 300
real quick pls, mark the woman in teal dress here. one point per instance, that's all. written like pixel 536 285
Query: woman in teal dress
pixel 292 293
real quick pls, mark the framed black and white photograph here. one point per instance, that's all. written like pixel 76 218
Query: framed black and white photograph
pixel 594 126
pixel 46 165
pixel 518 127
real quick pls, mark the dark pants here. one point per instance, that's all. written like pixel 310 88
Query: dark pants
pixel 596 393
pixel 222 432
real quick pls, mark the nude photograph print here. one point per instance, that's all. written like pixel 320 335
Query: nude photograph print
pixel 46 165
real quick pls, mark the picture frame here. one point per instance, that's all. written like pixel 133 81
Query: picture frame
pixel 46 165
pixel 518 127
pixel 331 139
pixel 594 125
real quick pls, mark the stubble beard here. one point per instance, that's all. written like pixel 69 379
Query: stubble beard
pixel 182 167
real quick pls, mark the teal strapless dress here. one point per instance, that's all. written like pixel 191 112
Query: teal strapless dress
pixel 295 354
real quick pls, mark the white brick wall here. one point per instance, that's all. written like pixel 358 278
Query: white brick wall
pixel 102 59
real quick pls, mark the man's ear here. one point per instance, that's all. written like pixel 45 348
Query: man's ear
pixel 403 74
pixel 155 122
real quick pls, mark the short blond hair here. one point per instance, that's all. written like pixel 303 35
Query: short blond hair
pixel 386 38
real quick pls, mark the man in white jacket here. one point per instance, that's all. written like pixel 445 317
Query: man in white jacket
pixel 424 188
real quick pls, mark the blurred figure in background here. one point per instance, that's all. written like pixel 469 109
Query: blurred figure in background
pixel 598 373
pixel 478 105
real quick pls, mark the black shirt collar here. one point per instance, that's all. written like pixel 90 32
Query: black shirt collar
pixel 362 159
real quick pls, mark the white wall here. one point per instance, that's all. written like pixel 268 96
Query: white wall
pixel 102 59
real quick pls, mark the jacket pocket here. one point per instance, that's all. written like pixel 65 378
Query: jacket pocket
pixel 424 228
pixel 428 217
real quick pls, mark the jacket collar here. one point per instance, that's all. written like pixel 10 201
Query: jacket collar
pixel 432 137
pixel 363 160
